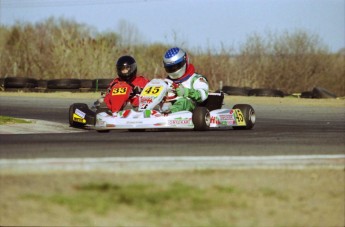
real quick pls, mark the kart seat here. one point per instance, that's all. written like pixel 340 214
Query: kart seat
pixel 214 101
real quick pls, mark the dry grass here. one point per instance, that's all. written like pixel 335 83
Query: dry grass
pixel 253 197
pixel 57 48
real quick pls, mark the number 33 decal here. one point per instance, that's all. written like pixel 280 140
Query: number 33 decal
pixel 119 91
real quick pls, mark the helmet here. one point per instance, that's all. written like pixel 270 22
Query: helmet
pixel 175 62
pixel 126 67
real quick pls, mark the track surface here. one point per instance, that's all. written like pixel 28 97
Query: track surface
pixel 280 130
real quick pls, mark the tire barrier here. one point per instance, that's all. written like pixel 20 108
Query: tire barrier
pixel 322 93
pixel 64 84
pixel 42 83
pixel 94 85
pixel 85 83
pixel 101 84
pixel 240 91
pixel 73 85
pixel 266 92
pixel 307 95
pixel 2 86
pixel 19 82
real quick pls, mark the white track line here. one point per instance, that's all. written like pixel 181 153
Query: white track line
pixel 171 159
pixel 126 164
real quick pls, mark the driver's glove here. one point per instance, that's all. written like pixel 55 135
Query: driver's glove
pixel 182 91
pixel 136 90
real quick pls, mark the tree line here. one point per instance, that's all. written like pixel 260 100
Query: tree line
pixel 59 48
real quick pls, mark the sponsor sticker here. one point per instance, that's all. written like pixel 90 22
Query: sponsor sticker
pixel 146 100
pixel 134 122
pixel 78 119
pixel 180 122
pixel 80 113
pixel 226 117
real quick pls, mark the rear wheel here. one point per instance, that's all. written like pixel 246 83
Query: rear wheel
pixel 248 114
pixel 201 119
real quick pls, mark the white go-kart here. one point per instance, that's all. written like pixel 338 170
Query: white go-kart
pixel 152 113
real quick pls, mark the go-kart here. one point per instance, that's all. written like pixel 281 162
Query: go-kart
pixel 153 112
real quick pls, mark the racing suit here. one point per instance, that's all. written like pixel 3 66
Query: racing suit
pixel 120 92
pixel 192 89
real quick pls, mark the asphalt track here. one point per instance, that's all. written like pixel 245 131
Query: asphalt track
pixel 279 131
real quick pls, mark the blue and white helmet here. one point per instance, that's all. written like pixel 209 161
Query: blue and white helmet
pixel 175 62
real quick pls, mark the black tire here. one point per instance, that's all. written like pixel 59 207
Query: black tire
pixel 248 114
pixel 85 83
pixel 90 116
pixel 2 87
pixel 307 95
pixel 239 91
pixel 64 84
pixel 266 92
pixel 201 118
pixel 322 93
pixel 20 82
pixel 42 83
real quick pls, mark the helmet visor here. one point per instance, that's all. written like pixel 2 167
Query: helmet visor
pixel 124 69
pixel 175 67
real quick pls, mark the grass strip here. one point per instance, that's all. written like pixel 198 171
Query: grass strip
pixel 257 197
pixel 11 120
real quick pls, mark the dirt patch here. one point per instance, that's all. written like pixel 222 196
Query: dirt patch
pixel 237 197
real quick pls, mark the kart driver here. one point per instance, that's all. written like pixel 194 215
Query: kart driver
pixel 127 87
pixel 192 87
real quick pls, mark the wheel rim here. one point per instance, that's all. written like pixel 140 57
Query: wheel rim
pixel 208 119
pixel 252 116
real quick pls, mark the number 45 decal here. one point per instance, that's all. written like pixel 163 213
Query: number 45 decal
pixel 152 91
pixel 240 118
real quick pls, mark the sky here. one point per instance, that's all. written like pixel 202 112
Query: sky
pixel 192 23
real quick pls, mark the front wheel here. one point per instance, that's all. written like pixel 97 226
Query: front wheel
pixel 201 119
pixel 248 114
pixel 79 122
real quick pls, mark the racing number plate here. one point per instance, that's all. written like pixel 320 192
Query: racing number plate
pixel 119 91
pixel 240 118
pixel 152 91
pixel 78 119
